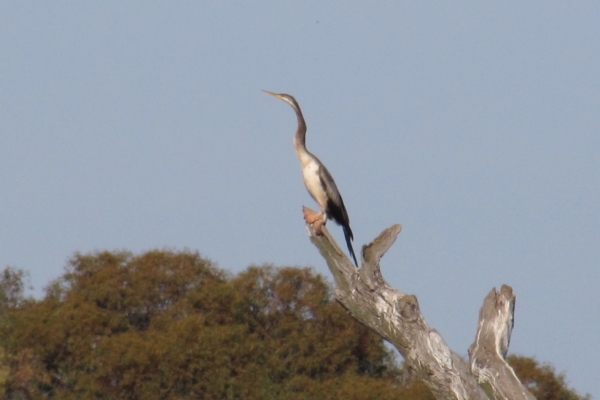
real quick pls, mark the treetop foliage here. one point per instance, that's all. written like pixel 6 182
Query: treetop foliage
pixel 172 325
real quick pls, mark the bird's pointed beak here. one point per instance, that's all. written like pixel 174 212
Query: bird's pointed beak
pixel 272 94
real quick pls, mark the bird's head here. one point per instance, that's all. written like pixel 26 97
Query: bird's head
pixel 287 98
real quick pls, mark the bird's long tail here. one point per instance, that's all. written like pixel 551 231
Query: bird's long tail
pixel 348 235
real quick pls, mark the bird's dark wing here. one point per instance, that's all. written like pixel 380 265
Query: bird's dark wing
pixel 348 237
pixel 336 209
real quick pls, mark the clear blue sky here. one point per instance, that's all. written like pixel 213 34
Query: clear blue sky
pixel 137 125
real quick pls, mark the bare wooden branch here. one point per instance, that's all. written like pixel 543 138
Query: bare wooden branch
pixel 396 317
pixel 487 354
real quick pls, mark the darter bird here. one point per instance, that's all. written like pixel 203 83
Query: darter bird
pixel 318 181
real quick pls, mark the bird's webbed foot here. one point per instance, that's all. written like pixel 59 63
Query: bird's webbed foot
pixel 316 219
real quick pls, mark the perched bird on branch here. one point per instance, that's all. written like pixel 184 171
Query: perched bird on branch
pixel 318 181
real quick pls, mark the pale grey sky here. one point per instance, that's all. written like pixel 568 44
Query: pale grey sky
pixel 474 125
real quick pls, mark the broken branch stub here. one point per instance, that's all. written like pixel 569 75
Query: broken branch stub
pixel 488 352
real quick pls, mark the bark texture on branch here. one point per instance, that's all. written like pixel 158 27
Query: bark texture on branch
pixel 397 318
pixel 487 354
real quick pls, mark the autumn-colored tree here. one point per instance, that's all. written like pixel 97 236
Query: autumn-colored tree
pixel 171 325
pixel 542 380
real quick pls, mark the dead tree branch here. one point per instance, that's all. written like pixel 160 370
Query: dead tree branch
pixel 487 354
pixel 397 318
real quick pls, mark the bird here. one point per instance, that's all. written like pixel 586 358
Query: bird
pixel 318 181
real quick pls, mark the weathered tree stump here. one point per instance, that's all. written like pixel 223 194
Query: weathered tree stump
pixel 397 318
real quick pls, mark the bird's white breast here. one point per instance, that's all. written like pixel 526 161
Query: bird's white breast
pixel 310 175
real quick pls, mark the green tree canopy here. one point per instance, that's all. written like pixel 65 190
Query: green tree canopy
pixel 171 325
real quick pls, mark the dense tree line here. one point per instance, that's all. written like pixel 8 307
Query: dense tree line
pixel 172 325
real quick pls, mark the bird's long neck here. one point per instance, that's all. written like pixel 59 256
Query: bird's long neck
pixel 300 140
